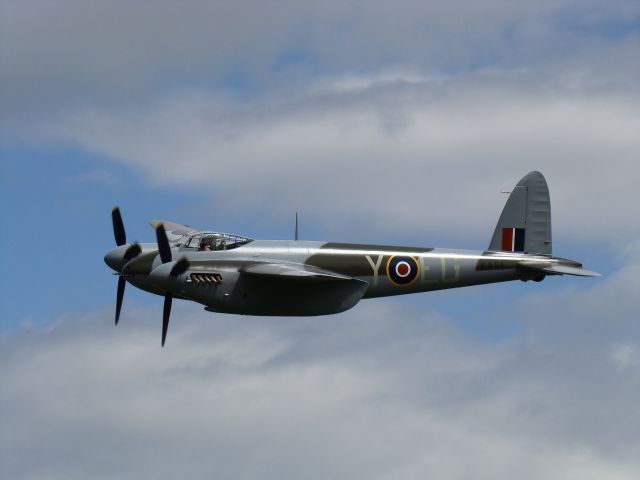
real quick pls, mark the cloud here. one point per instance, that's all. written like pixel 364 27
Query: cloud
pixel 131 52
pixel 383 391
pixel 402 151
pixel 411 116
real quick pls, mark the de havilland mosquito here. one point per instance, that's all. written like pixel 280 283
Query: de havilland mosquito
pixel 235 274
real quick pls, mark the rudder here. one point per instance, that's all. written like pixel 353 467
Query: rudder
pixel 525 223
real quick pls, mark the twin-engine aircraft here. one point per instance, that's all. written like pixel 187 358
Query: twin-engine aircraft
pixel 235 274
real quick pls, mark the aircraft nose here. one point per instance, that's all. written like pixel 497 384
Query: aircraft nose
pixel 115 258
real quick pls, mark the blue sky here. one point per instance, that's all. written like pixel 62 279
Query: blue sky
pixel 57 198
pixel 392 123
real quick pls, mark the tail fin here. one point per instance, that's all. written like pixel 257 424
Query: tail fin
pixel 525 222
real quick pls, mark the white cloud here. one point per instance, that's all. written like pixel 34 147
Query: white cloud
pixel 392 151
pixel 371 116
pixel 625 355
pixel 124 53
pixel 383 391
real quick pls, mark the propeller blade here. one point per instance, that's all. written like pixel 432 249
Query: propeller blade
pixel 163 244
pixel 166 312
pixel 180 267
pixel 295 235
pixel 118 227
pixel 121 284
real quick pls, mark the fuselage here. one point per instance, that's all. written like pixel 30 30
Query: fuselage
pixel 382 270
pixel 393 270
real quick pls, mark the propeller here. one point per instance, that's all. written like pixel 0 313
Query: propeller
pixel 120 296
pixel 179 268
pixel 118 227
pixel 163 244
pixel 130 253
pixel 166 312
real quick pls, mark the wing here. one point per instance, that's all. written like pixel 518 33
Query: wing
pixel 297 289
pixel 285 288
pixel 293 271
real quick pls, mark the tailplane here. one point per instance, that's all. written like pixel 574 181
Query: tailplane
pixel 525 223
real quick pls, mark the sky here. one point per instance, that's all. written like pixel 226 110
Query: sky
pixel 379 122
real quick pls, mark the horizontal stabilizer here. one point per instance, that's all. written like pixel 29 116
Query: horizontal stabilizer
pixel 566 270
pixel 556 269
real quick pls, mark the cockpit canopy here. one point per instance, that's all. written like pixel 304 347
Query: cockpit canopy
pixel 211 241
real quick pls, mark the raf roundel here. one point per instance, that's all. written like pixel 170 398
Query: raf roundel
pixel 402 271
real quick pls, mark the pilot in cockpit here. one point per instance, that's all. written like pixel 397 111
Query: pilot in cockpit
pixel 205 244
